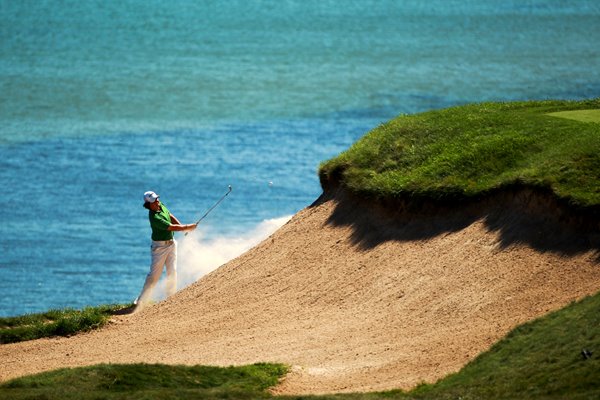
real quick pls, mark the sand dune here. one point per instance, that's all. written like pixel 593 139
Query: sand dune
pixel 353 298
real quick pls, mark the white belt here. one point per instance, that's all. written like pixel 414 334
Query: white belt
pixel 162 241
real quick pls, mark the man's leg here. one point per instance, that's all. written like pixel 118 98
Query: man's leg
pixel 171 264
pixel 159 254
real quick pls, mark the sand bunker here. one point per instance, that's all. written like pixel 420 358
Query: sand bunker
pixel 352 299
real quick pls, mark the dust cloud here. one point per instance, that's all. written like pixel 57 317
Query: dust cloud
pixel 197 257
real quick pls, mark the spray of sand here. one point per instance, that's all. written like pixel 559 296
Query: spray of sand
pixel 197 256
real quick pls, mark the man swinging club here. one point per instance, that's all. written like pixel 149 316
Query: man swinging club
pixel 164 247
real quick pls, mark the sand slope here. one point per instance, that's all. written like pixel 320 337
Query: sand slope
pixel 351 298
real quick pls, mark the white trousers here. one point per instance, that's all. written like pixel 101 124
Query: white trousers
pixel 164 254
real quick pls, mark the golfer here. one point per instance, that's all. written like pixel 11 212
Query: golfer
pixel 164 247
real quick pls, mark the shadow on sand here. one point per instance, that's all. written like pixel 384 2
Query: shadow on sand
pixel 519 216
pixel 130 309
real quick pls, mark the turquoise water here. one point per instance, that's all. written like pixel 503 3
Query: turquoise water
pixel 102 100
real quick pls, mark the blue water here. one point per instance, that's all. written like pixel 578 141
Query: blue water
pixel 103 100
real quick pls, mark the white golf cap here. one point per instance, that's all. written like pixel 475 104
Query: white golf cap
pixel 150 197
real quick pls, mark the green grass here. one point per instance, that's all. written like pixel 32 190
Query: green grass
pixel 145 381
pixel 55 323
pixel 538 360
pixel 579 115
pixel 472 150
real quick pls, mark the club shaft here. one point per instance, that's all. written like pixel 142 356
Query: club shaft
pixel 210 209
pixel 216 204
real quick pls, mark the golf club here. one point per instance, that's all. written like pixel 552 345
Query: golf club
pixel 216 204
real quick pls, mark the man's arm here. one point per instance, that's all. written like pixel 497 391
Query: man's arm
pixel 182 227
pixel 178 226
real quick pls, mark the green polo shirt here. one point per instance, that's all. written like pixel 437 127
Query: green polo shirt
pixel 159 222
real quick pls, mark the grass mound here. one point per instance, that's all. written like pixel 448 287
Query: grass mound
pixel 471 150
pixel 144 381
pixel 55 323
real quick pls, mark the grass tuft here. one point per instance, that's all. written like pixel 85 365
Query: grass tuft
pixel 64 322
